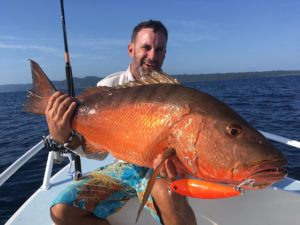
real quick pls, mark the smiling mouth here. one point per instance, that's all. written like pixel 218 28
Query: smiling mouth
pixel 150 66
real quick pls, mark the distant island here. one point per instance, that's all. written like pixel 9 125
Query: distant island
pixel 91 81
pixel 240 75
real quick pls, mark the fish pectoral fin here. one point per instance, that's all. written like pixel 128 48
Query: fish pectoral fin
pixel 91 149
pixel 96 156
pixel 166 155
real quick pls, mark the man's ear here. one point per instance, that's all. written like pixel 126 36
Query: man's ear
pixel 131 49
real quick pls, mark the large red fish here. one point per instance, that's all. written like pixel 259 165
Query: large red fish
pixel 136 123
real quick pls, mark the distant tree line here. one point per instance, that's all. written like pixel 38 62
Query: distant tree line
pixel 91 81
pixel 225 76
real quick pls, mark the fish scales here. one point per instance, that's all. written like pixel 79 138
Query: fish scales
pixel 139 121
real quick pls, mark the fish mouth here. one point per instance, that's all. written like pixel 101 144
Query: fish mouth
pixel 267 173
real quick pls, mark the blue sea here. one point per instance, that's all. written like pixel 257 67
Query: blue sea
pixel 270 104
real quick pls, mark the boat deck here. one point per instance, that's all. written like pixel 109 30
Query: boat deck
pixel 276 205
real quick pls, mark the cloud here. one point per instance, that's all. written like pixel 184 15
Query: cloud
pixel 188 24
pixel 5 37
pixel 193 37
pixel 87 56
pixel 101 43
pixel 26 47
pixel 192 31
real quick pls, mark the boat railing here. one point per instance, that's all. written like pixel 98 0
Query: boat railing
pixel 281 139
pixel 5 175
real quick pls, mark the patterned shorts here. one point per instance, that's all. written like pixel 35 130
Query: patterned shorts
pixel 105 190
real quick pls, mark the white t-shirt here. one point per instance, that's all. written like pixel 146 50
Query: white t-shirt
pixel 116 79
pixel 112 80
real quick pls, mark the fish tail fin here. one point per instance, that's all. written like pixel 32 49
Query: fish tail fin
pixel 38 96
pixel 167 154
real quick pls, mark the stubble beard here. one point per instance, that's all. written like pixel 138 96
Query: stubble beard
pixel 139 68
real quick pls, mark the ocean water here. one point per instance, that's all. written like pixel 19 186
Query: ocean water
pixel 269 104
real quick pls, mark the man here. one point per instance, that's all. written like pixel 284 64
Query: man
pixel 147 50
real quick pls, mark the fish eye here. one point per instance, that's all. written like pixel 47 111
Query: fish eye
pixel 234 130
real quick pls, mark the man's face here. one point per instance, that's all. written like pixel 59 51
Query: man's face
pixel 148 51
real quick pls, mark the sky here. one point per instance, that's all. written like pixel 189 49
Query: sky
pixel 205 36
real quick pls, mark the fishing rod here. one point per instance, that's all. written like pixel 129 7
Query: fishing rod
pixel 70 84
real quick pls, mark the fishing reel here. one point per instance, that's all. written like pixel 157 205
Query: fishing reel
pixel 59 153
pixel 58 149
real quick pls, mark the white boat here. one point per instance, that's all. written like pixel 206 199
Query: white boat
pixel 276 205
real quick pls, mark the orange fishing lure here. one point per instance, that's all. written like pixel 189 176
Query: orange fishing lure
pixel 202 189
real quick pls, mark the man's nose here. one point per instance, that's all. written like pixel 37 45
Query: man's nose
pixel 152 55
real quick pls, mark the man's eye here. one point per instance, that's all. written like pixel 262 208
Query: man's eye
pixel 147 47
pixel 160 49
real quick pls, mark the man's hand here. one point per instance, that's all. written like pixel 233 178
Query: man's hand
pixel 59 111
pixel 172 167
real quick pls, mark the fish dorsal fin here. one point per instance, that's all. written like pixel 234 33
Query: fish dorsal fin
pixel 152 77
pixel 96 89
pixel 166 155
pixel 155 77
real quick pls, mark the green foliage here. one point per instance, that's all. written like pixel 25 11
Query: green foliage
pixel 90 81
pixel 226 76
